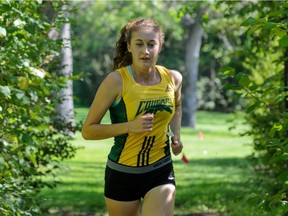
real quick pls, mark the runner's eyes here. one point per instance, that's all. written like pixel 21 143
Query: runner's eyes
pixel 151 45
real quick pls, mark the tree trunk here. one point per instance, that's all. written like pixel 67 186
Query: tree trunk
pixel 192 61
pixel 65 108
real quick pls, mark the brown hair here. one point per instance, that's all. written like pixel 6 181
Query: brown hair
pixel 123 57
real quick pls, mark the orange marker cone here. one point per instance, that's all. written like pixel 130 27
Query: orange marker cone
pixel 201 135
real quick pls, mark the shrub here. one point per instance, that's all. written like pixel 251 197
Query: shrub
pixel 30 146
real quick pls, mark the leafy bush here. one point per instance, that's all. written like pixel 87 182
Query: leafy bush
pixel 30 146
pixel 266 96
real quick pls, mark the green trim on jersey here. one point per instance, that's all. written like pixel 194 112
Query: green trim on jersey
pixel 118 115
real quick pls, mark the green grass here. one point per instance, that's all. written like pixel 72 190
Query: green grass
pixel 216 179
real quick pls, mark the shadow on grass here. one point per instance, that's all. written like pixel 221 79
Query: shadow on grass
pixel 214 186
pixel 208 187
pixel 79 193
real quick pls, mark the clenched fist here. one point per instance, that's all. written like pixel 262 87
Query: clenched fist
pixel 142 123
pixel 176 145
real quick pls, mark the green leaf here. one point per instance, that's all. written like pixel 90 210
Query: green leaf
pixel 249 21
pixel 277 198
pixel 33 159
pixel 276 13
pixel 42 127
pixel 254 87
pixel 253 107
pixel 3 32
pixel 274 129
pixel 269 25
pixel 243 79
pixel 31 28
pixel 5 90
pixel 253 29
pixel 285 157
pixel 23 82
pixel 284 41
pixel 280 33
pixel 231 86
pixel 19 94
pixel 228 71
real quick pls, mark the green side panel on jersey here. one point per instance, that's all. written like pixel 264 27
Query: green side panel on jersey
pixel 118 115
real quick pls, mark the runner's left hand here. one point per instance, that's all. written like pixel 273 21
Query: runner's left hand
pixel 176 146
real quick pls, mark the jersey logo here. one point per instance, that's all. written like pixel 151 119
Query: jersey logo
pixel 153 106
pixel 155 109
pixel 168 88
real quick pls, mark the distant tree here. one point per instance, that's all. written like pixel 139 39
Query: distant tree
pixel 64 117
pixel 192 56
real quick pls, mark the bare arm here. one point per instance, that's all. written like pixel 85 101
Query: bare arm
pixel 175 123
pixel 107 93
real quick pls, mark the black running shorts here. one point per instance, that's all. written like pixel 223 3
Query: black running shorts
pixel 129 186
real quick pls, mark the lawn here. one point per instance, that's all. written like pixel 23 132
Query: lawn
pixel 216 180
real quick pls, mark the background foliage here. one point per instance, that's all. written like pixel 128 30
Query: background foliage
pixel 263 84
pixel 96 31
pixel 249 60
pixel 30 147
pixel 93 45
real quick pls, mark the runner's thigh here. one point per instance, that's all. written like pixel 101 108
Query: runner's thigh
pixel 123 208
pixel 159 201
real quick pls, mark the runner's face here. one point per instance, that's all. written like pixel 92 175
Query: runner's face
pixel 144 47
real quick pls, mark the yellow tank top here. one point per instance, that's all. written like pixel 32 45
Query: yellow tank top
pixel 142 149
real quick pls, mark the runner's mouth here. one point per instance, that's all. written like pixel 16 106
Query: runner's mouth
pixel 145 59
